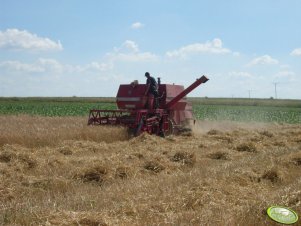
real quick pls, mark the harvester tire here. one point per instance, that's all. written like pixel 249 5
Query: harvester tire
pixel 170 130
pixel 139 127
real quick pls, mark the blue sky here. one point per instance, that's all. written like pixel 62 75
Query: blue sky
pixel 87 48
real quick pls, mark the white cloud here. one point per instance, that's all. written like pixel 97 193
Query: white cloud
pixel 262 60
pixel 296 52
pixel 285 66
pixel 286 75
pixel 214 47
pixel 137 25
pixel 240 74
pixel 51 65
pixel 131 45
pixel 129 52
pixel 46 65
pixel 99 66
pixel 23 40
pixel 16 66
pixel 134 57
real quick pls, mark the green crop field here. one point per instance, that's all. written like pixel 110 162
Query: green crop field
pixel 248 113
pixel 247 110
pixel 260 110
pixel 52 106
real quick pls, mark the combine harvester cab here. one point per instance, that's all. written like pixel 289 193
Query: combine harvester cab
pixel 136 111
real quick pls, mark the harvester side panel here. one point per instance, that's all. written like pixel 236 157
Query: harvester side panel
pixel 131 97
pixel 171 92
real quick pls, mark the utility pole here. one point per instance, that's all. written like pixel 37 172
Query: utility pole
pixel 275 83
pixel 249 93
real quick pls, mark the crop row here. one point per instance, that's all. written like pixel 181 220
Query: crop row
pixel 248 113
pixel 202 112
pixel 52 108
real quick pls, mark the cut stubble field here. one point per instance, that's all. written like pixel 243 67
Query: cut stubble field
pixel 59 171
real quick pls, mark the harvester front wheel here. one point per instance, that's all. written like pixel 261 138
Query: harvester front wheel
pixel 170 130
pixel 139 127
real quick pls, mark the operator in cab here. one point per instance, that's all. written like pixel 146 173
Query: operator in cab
pixel 151 91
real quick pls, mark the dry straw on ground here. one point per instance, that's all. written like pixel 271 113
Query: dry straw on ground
pixel 58 171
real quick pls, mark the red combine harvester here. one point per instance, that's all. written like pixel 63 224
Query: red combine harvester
pixel 136 112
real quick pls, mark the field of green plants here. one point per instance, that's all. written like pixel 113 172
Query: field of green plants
pixel 280 111
pixel 248 113
pixel 52 107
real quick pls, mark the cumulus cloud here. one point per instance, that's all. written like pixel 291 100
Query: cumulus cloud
pixel 47 65
pixel 131 45
pixel 17 66
pixel 52 65
pixel 134 57
pixel 262 60
pixel 129 52
pixel 213 47
pixel 15 39
pixel 137 25
pixel 296 52
pixel 98 66
pixel 285 66
pixel 286 75
pixel 240 74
